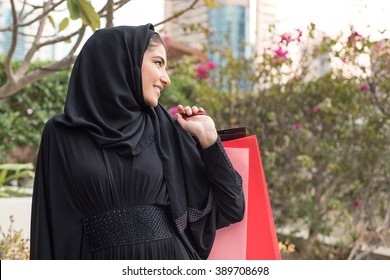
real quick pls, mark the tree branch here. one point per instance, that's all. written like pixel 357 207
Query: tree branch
pixel 116 6
pixel 29 13
pixel 8 60
pixel 41 16
pixel 62 38
pixel 110 13
pixel 176 15
pixel 9 88
pixel 34 47
pixel 38 14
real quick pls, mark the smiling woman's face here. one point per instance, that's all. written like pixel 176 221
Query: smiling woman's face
pixel 154 75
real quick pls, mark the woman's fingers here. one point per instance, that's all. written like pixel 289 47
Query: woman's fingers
pixel 189 110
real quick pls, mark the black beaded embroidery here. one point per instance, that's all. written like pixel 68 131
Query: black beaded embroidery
pixel 192 214
pixel 126 226
pixel 181 222
pixel 195 214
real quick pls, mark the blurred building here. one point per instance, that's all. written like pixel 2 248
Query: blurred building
pixel 241 25
pixel 265 16
pixel 175 28
pixel 6 36
pixel 25 37
pixel 228 25
pixel 178 50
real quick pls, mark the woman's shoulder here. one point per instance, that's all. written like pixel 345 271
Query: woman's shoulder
pixel 52 126
pixel 59 135
pixel 56 128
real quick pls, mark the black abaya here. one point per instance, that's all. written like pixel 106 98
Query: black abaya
pixel 109 153
pixel 82 182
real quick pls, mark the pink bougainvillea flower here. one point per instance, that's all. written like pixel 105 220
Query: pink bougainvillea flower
pixel 381 48
pixel 167 39
pixel 357 202
pixel 344 59
pixel 286 38
pixel 315 109
pixel 172 111
pixel 281 53
pixel 299 34
pixel 211 65
pixel 353 38
pixel 356 35
pixel 363 88
pixel 298 126
pixel 201 72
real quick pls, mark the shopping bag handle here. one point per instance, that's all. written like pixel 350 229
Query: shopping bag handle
pixel 232 133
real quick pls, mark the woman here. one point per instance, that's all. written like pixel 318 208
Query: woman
pixel 117 177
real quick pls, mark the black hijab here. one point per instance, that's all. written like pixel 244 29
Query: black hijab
pixel 105 98
pixel 105 90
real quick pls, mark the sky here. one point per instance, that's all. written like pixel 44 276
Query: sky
pixel 138 12
pixel 330 16
pixel 334 16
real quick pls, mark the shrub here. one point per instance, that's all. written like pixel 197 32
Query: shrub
pixel 12 245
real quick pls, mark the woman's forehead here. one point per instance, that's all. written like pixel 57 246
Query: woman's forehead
pixel 158 50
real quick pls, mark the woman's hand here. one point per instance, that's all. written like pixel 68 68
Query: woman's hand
pixel 202 127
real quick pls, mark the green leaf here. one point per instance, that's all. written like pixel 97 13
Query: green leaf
pixel 19 170
pixel 74 10
pixel 20 175
pixel 334 203
pixel 3 175
pixel 17 166
pixel 64 24
pixel 306 161
pixel 211 4
pixel 88 14
pixel 52 22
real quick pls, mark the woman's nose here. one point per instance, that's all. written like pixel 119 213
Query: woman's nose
pixel 165 79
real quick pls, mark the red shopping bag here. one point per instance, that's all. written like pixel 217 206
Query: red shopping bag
pixel 254 238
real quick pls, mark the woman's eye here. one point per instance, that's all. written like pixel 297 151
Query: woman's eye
pixel 159 63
